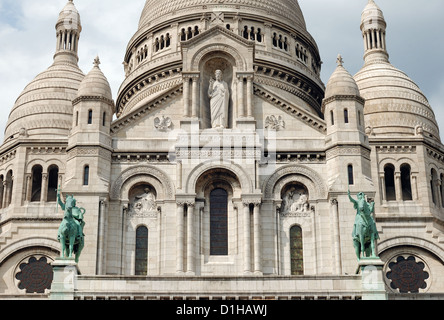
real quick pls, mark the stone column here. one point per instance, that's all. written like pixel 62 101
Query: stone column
pixel 383 189
pixel 438 192
pixel 398 186
pixel 336 236
pixel 5 194
pixel 257 239
pixel 247 238
pixel 44 192
pixel 101 238
pixel 378 38
pixel 186 96
pixel 250 96
pixel 179 237
pixel 1 194
pixel 240 96
pixel 124 210
pixel 28 188
pixel 195 97
pixel 414 184
pixel 191 231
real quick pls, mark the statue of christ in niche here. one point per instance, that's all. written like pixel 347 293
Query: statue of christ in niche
pixel 219 95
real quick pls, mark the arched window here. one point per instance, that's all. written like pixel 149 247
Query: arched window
pixel 433 178
pixel 332 117
pixel 36 190
pixel 442 189
pixel 219 222
pixel 2 190
pixel 86 176
pixel 10 187
pixel 296 251
pixel 245 33
pixel 53 178
pixel 406 183
pixel 77 118
pixel 90 116
pixel 351 180
pixel 389 177
pixel 104 119
pixel 141 263
pixel 345 115
pixel 259 35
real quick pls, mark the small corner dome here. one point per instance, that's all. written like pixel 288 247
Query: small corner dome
pixel 95 84
pixel 69 17
pixel 341 82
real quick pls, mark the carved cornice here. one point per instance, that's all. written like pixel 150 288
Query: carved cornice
pixel 341 98
pixel 93 98
pixel 309 119
pixel 121 123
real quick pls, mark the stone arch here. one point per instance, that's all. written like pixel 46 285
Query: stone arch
pixel 243 178
pixel 154 176
pixel 28 244
pixel 207 52
pixel 412 242
pixel 36 162
pixel 216 178
pixel 297 173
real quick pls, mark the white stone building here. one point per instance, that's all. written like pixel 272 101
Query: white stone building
pixel 181 206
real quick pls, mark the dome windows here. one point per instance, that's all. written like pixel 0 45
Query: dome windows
pixel 280 42
pixel 162 42
pixel 253 34
pixel 188 33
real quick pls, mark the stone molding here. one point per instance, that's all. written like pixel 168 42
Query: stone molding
pixel 318 182
pixel 157 174
pixel 309 119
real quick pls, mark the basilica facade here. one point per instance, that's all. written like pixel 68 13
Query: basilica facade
pixel 222 168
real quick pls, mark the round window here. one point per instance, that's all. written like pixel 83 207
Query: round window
pixel 35 275
pixel 407 274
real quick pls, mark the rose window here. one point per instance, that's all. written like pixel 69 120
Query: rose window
pixel 407 275
pixel 35 276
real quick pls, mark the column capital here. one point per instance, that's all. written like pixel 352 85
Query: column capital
pixel 191 74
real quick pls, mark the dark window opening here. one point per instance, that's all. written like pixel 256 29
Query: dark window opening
pixel 141 265
pixel 389 176
pixel 406 183
pixel 219 222
pixel 296 251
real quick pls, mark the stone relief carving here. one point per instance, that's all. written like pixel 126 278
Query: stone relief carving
pixel 144 205
pixel 274 123
pixel 163 123
pixel 295 202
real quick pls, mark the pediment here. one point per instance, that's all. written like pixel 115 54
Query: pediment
pixel 218 40
pixel 307 118
pixel 146 109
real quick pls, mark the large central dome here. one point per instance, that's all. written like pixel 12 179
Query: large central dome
pixel 284 54
pixel 162 9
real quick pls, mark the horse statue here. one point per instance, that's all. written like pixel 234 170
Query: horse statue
pixel 364 232
pixel 70 232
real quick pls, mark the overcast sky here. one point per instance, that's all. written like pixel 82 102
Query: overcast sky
pixel 415 40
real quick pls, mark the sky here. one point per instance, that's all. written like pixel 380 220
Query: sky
pixel 415 41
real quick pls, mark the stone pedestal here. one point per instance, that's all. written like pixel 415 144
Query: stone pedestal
pixel 65 277
pixel 373 287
